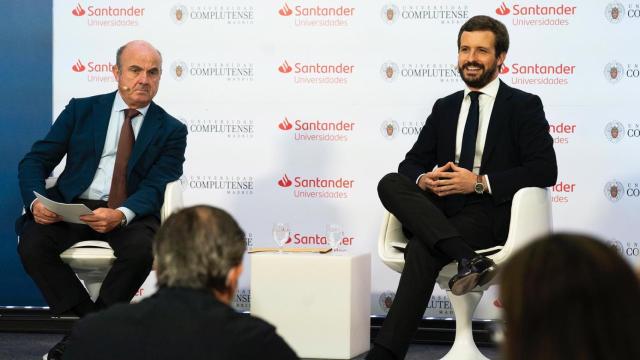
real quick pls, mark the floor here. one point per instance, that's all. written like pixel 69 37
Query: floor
pixel 31 346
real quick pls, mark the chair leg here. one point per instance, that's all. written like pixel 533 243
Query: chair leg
pixel 92 283
pixel 464 348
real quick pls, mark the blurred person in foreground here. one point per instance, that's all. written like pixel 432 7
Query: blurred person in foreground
pixel 198 260
pixel 569 296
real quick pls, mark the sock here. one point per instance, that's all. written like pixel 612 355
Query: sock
pixel 456 248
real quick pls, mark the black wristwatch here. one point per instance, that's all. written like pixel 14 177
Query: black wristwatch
pixel 479 186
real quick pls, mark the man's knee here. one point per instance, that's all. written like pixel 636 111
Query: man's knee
pixel 31 248
pixel 388 183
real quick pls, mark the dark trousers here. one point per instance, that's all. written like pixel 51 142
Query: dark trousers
pixel 424 220
pixel 40 247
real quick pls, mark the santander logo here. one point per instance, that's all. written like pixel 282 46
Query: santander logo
pixel 503 10
pixel 504 69
pixel 285 68
pixel 285 182
pixel 285 124
pixel 285 10
pixel 78 10
pixel 78 66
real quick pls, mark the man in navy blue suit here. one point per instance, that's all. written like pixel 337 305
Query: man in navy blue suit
pixel 121 151
pixel 453 191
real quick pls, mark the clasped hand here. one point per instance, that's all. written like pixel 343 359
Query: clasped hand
pixel 448 179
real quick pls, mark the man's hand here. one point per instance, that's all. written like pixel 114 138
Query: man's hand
pixel 43 216
pixel 458 181
pixel 103 220
pixel 430 180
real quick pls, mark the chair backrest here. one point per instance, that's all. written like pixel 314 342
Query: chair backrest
pixel 530 218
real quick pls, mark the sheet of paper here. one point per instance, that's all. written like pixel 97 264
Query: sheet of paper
pixel 69 212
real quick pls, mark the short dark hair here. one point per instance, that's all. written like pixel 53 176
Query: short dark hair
pixel 197 247
pixel 486 23
pixel 570 296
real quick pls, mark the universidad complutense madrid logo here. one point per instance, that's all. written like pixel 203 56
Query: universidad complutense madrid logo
pixel 613 190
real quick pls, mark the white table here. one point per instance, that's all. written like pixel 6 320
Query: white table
pixel 319 303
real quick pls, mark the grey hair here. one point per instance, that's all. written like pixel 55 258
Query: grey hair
pixel 197 247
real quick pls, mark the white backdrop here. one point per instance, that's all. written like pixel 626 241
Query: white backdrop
pixel 295 93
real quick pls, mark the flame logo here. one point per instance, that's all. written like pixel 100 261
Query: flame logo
pixel 284 182
pixel 503 9
pixel 284 68
pixel 504 69
pixel 285 10
pixel 285 124
pixel 288 241
pixel 78 10
pixel 497 303
pixel 78 66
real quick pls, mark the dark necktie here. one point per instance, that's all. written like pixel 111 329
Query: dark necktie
pixel 455 203
pixel 118 192
pixel 468 151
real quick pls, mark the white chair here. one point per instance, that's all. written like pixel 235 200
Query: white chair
pixel 530 218
pixel 91 260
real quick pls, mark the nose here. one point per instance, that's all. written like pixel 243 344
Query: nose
pixel 143 77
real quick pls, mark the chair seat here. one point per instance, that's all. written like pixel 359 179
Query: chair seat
pixel 89 255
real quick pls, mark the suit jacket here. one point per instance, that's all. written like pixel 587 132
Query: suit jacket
pixel 518 151
pixel 175 323
pixel 79 133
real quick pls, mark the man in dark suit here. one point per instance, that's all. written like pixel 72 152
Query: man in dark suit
pixel 121 150
pixel 198 254
pixel 453 190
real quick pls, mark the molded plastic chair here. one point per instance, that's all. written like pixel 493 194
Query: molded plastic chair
pixel 530 218
pixel 91 260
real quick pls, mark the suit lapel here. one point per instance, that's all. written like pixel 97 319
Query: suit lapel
pixel 150 126
pixel 101 114
pixel 497 122
pixel 451 125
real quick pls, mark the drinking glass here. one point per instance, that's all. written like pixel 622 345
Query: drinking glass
pixel 280 234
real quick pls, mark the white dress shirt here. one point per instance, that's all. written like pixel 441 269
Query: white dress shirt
pixel 101 184
pixel 486 100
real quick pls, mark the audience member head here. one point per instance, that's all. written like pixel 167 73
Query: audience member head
pixel 569 296
pixel 200 247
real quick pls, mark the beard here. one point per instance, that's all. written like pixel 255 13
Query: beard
pixel 479 81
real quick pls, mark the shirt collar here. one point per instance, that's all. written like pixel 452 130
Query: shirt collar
pixel 119 105
pixel 490 89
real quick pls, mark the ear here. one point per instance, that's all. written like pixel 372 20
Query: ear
pixel 501 58
pixel 233 276
pixel 116 72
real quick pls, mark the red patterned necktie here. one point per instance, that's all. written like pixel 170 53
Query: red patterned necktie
pixel 118 192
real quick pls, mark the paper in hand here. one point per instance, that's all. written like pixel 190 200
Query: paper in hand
pixel 70 212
